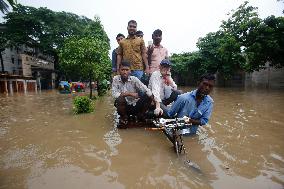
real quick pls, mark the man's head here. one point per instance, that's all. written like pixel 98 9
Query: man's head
pixel 124 70
pixel 140 34
pixel 165 67
pixel 132 27
pixel 157 37
pixel 119 37
pixel 206 84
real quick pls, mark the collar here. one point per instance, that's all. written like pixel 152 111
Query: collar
pixel 128 37
pixel 119 78
pixel 193 93
pixel 160 46
pixel 206 98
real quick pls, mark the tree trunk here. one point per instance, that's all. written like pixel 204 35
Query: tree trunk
pixel 2 62
pixel 91 88
pixel 98 88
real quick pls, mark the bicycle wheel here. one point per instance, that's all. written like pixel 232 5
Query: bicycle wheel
pixel 180 144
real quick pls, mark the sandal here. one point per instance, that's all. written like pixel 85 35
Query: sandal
pixel 122 124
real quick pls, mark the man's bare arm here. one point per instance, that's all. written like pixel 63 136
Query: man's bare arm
pixel 135 95
pixel 144 57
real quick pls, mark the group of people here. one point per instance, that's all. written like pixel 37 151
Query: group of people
pixel 132 62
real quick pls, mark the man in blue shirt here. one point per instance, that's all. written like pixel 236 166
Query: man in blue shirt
pixel 119 37
pixel 197 104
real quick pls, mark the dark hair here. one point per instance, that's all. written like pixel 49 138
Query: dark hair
pixel 158 32
pixel 139 32
pixel 207 76
pixel 120 35
pixel 125 63
pixel 132 21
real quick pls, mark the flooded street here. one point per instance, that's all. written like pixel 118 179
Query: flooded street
pixel 43 145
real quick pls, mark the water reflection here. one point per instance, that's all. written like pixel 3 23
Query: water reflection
pixel 43 145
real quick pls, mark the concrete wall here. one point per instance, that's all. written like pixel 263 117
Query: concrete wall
pixel 266 78
pixel 18 63
pixel 9 55
pixel 237 80
pixel 28 62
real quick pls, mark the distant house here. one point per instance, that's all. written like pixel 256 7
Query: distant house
pixel 26 69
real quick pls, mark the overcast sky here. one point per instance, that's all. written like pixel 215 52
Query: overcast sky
pixel 182 21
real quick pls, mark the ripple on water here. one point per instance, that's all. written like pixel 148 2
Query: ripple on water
pixel 278 157
pixel 4 131
pixel 71 176
pixel 20 158
pixel 112 139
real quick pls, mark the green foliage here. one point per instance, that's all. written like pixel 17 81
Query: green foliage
pixel 185 64
pixel 243 42
pixel 43 27
pixel 4 6
pixel 82 104
pixel 103 86
pixel 47 30
pixel 88 56
pixel 84 58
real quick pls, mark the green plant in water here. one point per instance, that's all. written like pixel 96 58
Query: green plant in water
pixel 83 104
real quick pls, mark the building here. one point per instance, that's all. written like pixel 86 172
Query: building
pixel 26 69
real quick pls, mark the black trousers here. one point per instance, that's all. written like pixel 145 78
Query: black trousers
pixel 125 110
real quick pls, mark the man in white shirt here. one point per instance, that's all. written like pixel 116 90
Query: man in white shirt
pixel 163 87
pixel 125 90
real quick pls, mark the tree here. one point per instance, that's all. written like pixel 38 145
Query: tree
pixel 244 42
pixel 3 42
pixel 43 28
pixel 4 7
pixel 267 44
pixel 261 41
pixel 186 64
pixel 87 55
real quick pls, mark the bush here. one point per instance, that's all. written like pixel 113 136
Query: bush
pixel 83 105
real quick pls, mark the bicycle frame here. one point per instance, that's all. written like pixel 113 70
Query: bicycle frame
pixel 172 128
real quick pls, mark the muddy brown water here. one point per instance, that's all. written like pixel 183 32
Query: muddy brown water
pixel 43 145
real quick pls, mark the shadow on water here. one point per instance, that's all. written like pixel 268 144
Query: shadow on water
pixel 43 145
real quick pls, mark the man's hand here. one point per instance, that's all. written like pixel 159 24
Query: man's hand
pixel 186 119
pixel 135 95
pixel 167 80
pixel 150 50
pixel 147 70
pixel 192 121
pixel 158 111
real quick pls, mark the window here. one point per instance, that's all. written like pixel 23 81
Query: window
pixel 19 61
pixel 27 58
pixel 13 60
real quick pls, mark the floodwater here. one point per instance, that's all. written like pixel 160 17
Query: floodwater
pixel 43 145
